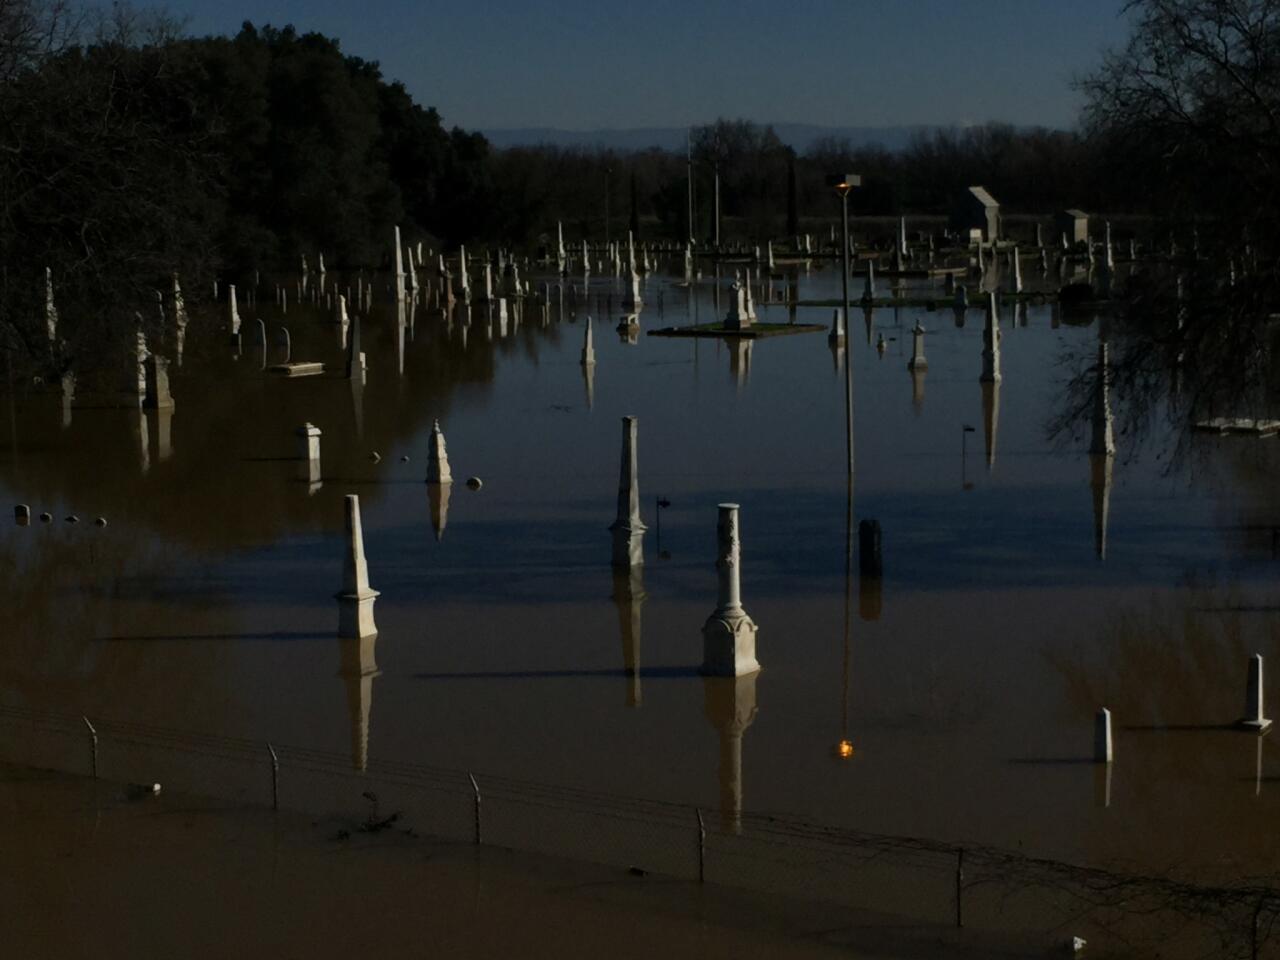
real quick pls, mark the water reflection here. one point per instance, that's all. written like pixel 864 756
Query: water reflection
pixel 438 496
pixel 628 597
pixel 628 529
pixel 990 418
pixel 1100 484
pixel 189 553
pixel 729 704
pixel 358 668
pixel 740 360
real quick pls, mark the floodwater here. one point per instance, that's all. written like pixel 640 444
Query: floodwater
pixel 965 680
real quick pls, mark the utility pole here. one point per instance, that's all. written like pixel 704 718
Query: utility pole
pixel 843 183
pixel 689 155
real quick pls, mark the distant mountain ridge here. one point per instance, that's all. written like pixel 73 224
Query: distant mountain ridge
pixel 798 135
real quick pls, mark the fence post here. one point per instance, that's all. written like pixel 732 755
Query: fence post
pixel 702 848
pixel 275 778
pixel 93 746
pixel 476 787
pixel 960 888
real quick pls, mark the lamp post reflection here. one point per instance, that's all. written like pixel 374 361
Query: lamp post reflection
pixel 844 747
pixel 965 430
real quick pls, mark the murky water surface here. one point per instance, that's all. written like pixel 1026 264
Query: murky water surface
pixel 966 680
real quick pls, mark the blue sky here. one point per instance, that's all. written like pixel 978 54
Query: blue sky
pixel 577 64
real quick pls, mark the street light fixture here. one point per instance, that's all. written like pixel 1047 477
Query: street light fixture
pixel 843 183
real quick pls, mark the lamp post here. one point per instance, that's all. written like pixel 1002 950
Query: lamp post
pixel 843 183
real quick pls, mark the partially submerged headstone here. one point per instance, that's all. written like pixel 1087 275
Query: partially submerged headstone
pixel 729 634
pixel 1254 718
pixel 1102 743
pixel 50 310
pixel 233 312
pixel 309 453
pixel 917 361
pixel 356 599
pixel 737 317
pixel 137 380
pixel 438 457
pixel 869 288
pixel 399 266
pixel 355 359
pixel 627 527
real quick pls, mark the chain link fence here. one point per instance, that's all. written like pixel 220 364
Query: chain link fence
pixel 915 881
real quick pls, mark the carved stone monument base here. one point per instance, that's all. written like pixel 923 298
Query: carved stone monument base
pixel 355 615
pixel 729 646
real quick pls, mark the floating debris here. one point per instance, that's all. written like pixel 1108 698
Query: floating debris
pixel 375 457
pixel 100 522
pixel 1240 425
pixel 73 519
pixel 46 518
pixel 22 514
pixel 474 483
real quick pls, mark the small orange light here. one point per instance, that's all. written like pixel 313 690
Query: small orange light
pixel 845 749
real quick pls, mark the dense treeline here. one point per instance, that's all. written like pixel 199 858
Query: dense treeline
pixel 1036 171
pixel 131 151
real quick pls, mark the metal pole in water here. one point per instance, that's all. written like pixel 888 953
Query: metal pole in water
pixel 476 787
pixel 702 848
pixel 93 746
pixel 848 363
pixel 275 778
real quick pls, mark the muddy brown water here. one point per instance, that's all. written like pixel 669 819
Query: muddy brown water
pixel 965 681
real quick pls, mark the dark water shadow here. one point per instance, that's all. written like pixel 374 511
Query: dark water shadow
pixel 277 635
pixel 1052 761
pixel 1184 728
pixel 1242 609
pixel 668 673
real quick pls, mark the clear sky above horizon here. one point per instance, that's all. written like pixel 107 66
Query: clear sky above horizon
pixel 582 65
